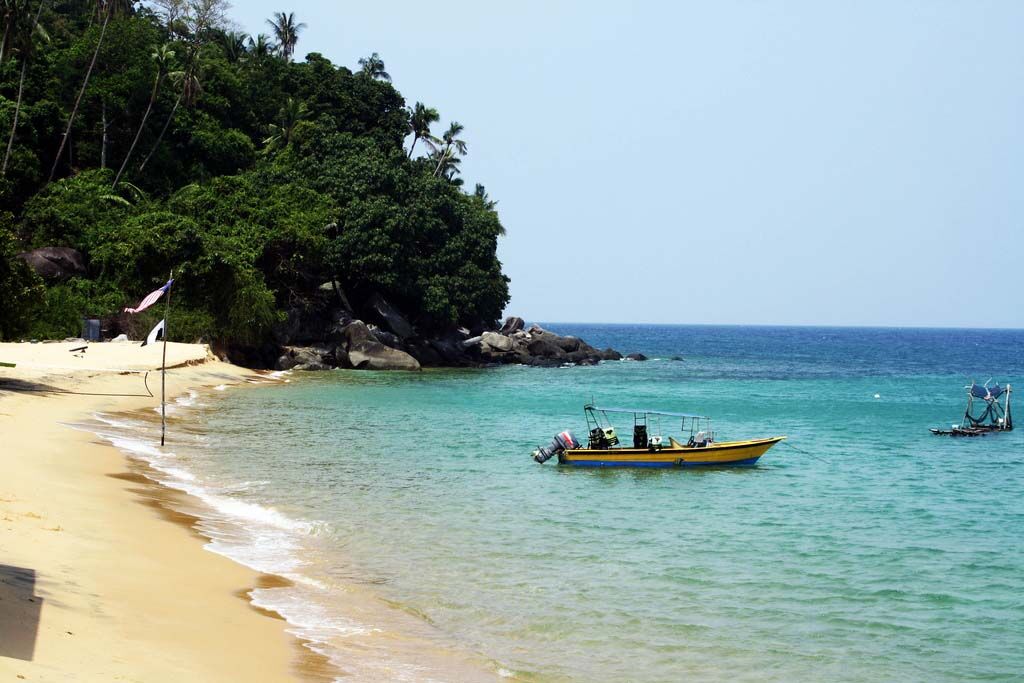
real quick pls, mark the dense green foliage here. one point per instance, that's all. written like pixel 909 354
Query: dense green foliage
pixel 256 178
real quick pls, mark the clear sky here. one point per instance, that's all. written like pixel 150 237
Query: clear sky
pixel 836 163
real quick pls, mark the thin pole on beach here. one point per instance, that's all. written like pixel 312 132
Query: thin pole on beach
pixel 163 365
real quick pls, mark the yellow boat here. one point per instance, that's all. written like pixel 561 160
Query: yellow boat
pixel 603 449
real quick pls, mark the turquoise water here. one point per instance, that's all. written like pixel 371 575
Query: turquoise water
pixel 409 512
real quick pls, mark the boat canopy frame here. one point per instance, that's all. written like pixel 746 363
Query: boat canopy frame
pixel 698 427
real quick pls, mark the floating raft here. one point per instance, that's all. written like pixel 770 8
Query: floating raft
pixel 995 416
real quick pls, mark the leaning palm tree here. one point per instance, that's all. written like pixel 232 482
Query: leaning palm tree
pixel 289 117
pixel 189 89
pixel 451 146
pixel 420 118
pixel 24 42
pixel 373 67
pixel 286 31
pixel 162 57
pixel 107 7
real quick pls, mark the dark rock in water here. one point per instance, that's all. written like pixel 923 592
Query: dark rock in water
pixel 677 358
pixel 450 350
pixel 588 361
pixel 341 359
pixel 568 344
pixel 636 356
pixel 610 354
pixel 425 354
pixel 55 264
pixel 390 317
pixel 545 348
pixel 512 324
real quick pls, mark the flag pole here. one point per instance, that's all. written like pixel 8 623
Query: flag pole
pixel 163 365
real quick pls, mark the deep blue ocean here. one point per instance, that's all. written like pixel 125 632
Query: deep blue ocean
pixel 425 544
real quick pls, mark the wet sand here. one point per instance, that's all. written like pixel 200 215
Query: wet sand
pixel 94 583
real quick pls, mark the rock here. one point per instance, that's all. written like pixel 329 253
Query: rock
pixel 512 324
pixel 390 317
pixel 55 264
pixel 545 348
pixel 341 358
pixel 450 351
pixel 610 354
pixel 492 341
pixel 568 344
pixel 588 361
pixel 472 341
pixel 386 338
pixel 334 289
pixel 636 356
pixel 365 352
pixel 678 358
pixel 376 356
pixel 285 362
pixel 463 332
pixel 312 367
pixel 425 354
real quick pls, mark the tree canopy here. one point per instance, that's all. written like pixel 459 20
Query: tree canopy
pixel 153 137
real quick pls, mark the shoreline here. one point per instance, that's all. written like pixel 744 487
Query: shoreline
pixel 93 582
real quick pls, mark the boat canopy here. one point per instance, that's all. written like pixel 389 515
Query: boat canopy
pixel 635 411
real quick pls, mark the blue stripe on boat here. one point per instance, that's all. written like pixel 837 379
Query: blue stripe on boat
pixel 607 463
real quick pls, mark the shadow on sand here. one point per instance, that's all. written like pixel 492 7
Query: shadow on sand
pixel 19 612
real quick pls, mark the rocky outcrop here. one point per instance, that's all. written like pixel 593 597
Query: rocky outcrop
pixel 327 332
pixel 55 264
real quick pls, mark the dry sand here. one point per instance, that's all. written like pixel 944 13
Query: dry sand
pixel 94 583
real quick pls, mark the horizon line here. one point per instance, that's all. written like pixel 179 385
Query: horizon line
pixel 804 325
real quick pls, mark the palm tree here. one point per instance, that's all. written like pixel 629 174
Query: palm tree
pixel 480 192
pixel 24 42
pixel 233 44
pixel 286 31
pixel 452 145
pixel 420 118
pixel 260 48
pixel 189 90
pixel 163 56
pixel 373 67
pixel 108 6
pixel 289 117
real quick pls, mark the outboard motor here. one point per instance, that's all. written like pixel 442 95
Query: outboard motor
pixel 562 442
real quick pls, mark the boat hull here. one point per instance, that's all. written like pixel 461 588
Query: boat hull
pixel 729 453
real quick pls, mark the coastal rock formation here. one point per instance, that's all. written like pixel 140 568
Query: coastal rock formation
pixel 55 264
pixel 328 334
pixel 636 356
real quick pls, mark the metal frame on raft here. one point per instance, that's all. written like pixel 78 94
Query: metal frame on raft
pixel 995 418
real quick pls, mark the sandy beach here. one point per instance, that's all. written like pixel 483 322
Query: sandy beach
pixel 95 584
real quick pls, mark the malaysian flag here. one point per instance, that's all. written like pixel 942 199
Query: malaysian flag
pixel 150 299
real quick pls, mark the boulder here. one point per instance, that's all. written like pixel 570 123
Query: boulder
pixel 55 264
pixel 365 352
pixel 494 342
pixel 307 356
pixel 333 289
pixel 610 354
pixel 636 356
pixel 450 351
pixel 512 324
pixel 390 317
pixel 545 348
pixel 386 338
pixel 472 341
pixel 568 344
pixel 425 354
pixel 376 356
pixel 312 367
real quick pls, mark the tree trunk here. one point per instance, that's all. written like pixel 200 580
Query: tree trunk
pixel 440 160
pixel 21 87
pixel 17 111
pixel 103 144
pixel 3 42
pixel 78 100
pixel 138 133
pixel 413 145
pixel 159 138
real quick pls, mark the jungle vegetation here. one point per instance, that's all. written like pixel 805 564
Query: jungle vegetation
pixel 155 136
